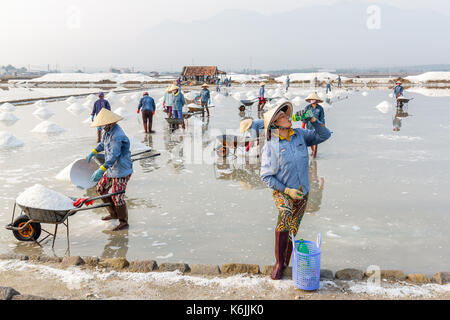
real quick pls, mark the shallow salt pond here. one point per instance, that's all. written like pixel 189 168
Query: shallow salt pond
pixel 379 197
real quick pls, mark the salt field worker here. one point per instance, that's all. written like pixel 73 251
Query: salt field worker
pixel 316 82
pixel 148 106
pixel 398 91
pixel 255 127
pixel 262 100
pixel 205 98
pixel 117 169
pixel 339 80
pixel 285 169
pixel 178 104
pixel 98 106
pixel 318 113
pixel 288 83
pixel 329 82
pixel 218 85
pixel 168 101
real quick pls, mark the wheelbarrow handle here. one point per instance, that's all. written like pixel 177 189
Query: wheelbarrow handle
pixel 140 153
pixel 73 211
pixel 149 157
pixel 101 197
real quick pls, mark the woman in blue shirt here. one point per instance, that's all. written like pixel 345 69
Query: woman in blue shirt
pixel 318 113
pixel 285 169
pixel 117 169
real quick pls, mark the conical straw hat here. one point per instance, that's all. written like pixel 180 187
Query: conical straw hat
pixel 205 85
pixel 246 124
pixel 104 118
pixel 169 88
pixel 314 96
pixel 262 84
pixel 270 115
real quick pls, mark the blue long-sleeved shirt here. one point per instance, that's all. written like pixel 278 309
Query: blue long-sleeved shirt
pixel 261 92
pixel 285 163
pixel 147 104
pixel 318 113
pixel 178 101
pixel 168 99
pixel 205 95
pixel 398 91
pixel 117 153
pixel 99 105
pixel 256 128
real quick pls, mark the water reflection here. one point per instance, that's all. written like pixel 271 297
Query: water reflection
pixel 117 247
pixel 316 192
pixel 400 114
pixel 247 174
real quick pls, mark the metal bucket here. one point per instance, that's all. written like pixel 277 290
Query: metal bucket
pixel 81 173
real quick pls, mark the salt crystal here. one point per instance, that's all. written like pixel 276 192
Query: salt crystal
pixel 40 197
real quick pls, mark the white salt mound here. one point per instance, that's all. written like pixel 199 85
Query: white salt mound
pixel 365 93
pixel 48 127
pixel 111 96
pixel 297 101
pixel 125 100
pixel 70 100
pixel 123 112
pixel 7 140
pixel 7 107
pixel 40 104
pixel 76 108
pixel 8 116
pixel 384 107
pixel 40 197
pixel 43 113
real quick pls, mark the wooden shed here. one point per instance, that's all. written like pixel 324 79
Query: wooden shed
pixel 201 73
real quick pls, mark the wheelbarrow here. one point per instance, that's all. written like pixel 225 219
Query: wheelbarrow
pixel 27 227
pixel 198 109
pixel 249 103
pixel 232 142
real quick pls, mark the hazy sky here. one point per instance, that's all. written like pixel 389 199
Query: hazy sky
pixel 72 33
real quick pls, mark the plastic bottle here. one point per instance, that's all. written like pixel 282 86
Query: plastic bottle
pixel 303 248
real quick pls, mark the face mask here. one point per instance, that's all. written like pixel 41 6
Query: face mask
pixel 107 127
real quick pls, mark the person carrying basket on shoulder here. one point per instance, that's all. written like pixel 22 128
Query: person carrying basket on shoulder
pixel 285 169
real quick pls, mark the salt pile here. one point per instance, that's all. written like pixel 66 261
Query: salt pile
pixel 76 109
pixel 251 95
pixel 40 104
pixel 111 96
pixel 43 113
pixel 384 107
pixel 365 93
pixel 89 104
pixel 8 116
pixel 48 127
pixel 391 95
pixel 237 96
pixel 7 140
pixel 125 100
pixel 40 197
pixel 123 113
pixel 7 107
pixel 70 100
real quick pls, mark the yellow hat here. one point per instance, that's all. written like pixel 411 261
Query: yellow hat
pixel 246 124
pixel 314 96
pixel 262 84
pixel 205 85
pixel 169 88
pixel 269 116
pixel 104 118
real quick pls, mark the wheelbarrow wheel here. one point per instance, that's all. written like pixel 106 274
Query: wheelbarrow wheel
pixel 242 108
pixel 31 233
pixel 223 152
